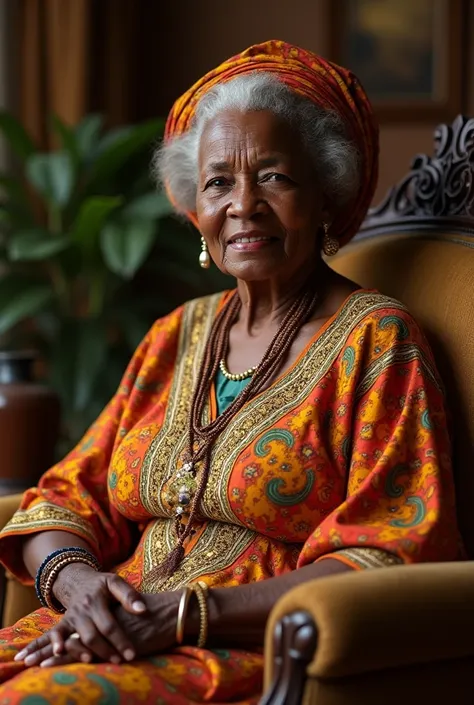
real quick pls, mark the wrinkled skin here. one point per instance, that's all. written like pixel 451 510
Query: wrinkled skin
pixel 115 623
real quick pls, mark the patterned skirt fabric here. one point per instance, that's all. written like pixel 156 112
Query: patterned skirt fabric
pixel 187 675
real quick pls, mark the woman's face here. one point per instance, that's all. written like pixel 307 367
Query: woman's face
pixel 259 204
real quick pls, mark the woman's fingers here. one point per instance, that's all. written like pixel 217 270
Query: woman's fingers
pixel 93 640
pixel 99 631
pixel 74 651
pixel 110 628
pixel 39 656
pixel 57 642
pixel 56 636
pixel 128 597
pixel 33 646
pixel 61 660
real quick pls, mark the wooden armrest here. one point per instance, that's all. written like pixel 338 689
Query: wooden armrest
pixel 294 644
pixel 8 506
pixel 376 619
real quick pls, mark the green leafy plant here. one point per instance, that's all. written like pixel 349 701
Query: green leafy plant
pixel 90 256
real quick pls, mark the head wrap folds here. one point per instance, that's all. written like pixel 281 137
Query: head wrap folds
pixel 325 84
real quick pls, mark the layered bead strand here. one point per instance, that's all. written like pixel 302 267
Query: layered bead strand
pixel 201 437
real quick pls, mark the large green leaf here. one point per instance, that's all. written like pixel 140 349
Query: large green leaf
pixel 128 143
pixel 68 139
pixel 16 136
pixel 52 175
pixel 21 298
pixel 87 135
pixel 118 134
pixel 126 244
pixel 92 214
pixel 37 244
pixel 150 205
pixel 78 357
pixel 112 137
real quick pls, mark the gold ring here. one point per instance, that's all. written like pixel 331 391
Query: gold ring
pixel 74 635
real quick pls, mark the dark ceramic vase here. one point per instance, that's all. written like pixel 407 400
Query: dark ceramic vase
pixel 29 423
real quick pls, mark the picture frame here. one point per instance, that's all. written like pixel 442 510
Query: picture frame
pixel 408 54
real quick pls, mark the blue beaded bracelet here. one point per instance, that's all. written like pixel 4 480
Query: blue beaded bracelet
pixel 60 551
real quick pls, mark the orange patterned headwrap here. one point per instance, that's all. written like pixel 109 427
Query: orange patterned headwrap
pixel 326 84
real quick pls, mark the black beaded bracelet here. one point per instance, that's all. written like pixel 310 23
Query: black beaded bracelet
pixel 75 552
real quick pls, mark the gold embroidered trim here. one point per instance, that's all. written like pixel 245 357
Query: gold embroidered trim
pixel 161 459
pixel 218 547
pixel 368 558
pixel 263 411
pixel 46 516
pixel 400 355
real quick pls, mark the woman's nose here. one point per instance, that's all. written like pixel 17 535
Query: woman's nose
pixel 246 201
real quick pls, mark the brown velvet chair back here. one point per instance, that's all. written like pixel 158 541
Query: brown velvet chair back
pixel 418 246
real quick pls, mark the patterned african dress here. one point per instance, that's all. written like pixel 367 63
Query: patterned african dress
pixel 346 455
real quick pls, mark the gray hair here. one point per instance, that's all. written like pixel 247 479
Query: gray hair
pixel 323 134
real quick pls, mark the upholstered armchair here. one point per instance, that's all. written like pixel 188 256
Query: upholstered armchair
pixel 17 600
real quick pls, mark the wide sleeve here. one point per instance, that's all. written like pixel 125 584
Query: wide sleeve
pixel 399 504
pixel 73 495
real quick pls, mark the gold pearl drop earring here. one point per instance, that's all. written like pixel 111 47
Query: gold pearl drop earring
pixel 204 259
pixel 330 243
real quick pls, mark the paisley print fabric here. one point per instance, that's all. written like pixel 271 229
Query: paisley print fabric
pixel 187 675
pixel 346 455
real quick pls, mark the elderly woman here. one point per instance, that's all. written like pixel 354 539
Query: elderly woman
pixel 290 429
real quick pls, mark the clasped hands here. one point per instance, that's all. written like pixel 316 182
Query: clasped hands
pixel 106 620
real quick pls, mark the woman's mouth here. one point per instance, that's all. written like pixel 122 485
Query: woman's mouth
pixel 251 242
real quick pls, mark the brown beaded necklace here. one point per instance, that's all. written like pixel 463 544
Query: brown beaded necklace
pixel 201 437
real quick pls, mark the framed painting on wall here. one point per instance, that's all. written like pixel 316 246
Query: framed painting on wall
pixel 408 54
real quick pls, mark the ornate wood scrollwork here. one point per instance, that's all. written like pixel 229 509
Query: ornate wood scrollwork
pixel 294 645
pixel 438 191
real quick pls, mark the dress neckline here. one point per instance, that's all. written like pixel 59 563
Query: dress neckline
pixel 299 358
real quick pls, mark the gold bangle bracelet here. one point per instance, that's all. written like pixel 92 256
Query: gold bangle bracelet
pixel 182 613
pixel 47 587
pixel 50 578
pixel 62 560
pixel 200 589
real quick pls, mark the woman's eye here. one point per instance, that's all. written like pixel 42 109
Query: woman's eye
pixel 218 182
pixel 275 177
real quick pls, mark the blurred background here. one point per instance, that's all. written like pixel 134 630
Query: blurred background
pixel 90 253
